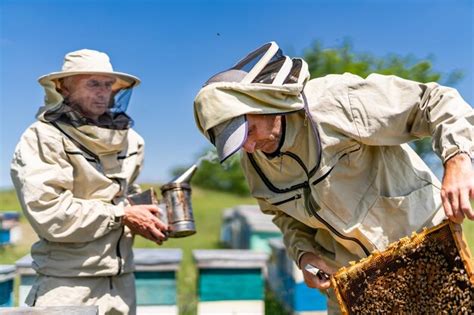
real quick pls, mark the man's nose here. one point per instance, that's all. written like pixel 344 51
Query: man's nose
pixel 104 91
pixel 249 146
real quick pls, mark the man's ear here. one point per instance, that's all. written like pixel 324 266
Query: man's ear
pixel 62 89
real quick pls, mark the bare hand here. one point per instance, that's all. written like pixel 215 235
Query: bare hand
pixel 458 188
pixel 143 220
pixel 311 280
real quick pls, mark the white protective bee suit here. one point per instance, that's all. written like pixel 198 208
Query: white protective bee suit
pixel 72 177
pixel 344 182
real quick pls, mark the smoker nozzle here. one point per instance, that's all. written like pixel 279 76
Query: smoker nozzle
pixel 186 176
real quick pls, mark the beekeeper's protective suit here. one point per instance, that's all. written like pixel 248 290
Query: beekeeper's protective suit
pixel 343 182
pixel 72 175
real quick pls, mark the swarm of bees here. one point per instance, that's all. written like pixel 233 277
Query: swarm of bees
pixel 424 274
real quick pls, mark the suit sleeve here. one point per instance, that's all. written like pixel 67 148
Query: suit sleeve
pixel 388 110
pixel 297 237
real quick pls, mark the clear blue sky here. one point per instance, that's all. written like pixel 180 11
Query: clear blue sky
pixel 174 46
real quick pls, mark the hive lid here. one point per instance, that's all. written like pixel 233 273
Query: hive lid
pixel 256 219
pixel 11 215
pixel 5 269
pixel 228 213
pixel 230 258
pixel 276 243
pixel 156 256
pixel 24 262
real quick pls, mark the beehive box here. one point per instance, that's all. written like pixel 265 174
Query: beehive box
pixel 230 282
pixel 286 281
pixel 429 273
pixel 248 228
pixel 24 268
pixel 7 274
pixel 156 280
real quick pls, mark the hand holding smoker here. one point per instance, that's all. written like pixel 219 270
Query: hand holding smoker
pixel 176 204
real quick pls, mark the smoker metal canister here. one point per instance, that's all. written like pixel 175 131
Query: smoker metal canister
pixel 177 197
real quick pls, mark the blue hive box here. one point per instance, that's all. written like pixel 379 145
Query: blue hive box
pixel 156 281
pixel 4 233
pixel 246 227
pixel 230 281
pixel 4 237
pixel 27 277
pixel 9 219
pixel 226 227
pixel 10 231
pixel 7 275
pixel 285 279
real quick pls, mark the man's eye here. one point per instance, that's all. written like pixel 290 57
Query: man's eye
pixel 93 84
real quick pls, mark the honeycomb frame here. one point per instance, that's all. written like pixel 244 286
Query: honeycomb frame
pixel 350 282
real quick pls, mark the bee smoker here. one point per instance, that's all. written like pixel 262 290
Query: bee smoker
pixel 177 202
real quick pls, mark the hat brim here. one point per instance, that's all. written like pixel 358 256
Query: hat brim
pixel 231 137
pixel 130 80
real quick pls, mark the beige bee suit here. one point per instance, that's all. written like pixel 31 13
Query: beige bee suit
pixel 74 198
pixel 346 183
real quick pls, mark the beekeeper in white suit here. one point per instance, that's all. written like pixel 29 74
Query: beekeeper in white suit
pixel 328 157
pixel 72 171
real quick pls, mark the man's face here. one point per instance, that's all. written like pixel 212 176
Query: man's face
pixel 264 133
pixel 91 94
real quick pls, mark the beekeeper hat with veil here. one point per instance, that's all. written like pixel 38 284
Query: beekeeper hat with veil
pixel 102 138
pixel 264 82
pixel 87 62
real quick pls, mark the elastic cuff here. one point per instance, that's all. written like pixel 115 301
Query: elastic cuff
pixel 457 149
pixel 116 218
pixel 300 254
pixel 471 156
pixel 298 261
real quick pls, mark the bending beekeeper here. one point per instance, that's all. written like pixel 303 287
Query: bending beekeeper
pixel 72 171
pixel 328 157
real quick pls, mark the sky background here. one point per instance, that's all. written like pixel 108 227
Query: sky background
pixel 175 46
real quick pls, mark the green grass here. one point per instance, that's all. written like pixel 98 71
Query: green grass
pixel 8 200
pixel 468 229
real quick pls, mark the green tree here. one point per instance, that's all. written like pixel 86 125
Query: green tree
pixel 322 61
pixel 211 175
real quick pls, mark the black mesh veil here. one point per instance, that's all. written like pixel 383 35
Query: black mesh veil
pixel 114 118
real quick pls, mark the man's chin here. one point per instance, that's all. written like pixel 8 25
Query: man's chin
pixel 268 148
pixel 100 109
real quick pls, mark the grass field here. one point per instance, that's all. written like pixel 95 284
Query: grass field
pixel 208 206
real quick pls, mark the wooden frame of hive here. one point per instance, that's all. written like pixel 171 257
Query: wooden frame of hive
pixel 447 228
